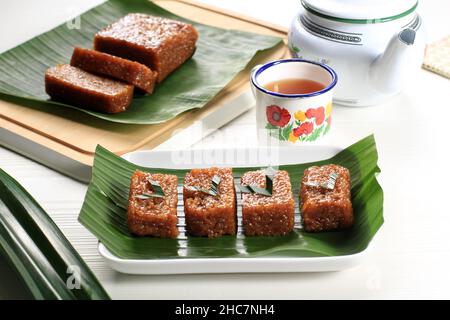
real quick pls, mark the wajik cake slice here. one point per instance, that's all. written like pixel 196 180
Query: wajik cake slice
pixel 264 215
pixel 74 86
pixel 326 198
pixel 206 214
pixel 114 67
pixel 153 216
pixel 159 43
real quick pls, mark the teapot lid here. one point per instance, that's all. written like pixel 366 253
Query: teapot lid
pixel 361 11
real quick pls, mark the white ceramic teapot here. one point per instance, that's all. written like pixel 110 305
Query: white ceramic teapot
pixel 373 45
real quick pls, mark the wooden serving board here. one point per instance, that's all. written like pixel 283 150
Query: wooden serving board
pixel 75 135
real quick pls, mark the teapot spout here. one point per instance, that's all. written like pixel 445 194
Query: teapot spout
pixel 389 71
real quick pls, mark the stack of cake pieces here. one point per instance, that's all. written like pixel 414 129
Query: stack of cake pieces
pixel 268 207
pixel 136 51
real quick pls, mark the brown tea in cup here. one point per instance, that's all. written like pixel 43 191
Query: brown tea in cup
pixel 294 86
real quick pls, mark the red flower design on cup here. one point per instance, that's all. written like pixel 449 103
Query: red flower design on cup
pixel 320 115
pixel 277 116
pixel 304 128
pixel 310 113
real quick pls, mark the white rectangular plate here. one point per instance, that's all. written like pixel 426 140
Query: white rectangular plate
pixel 185 159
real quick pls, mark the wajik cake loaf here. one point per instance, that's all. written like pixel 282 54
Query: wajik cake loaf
pixel 268 215
pixel 325 207
pixel 153 216
pixel 114 67
pixel 205 214
pixel 74 86
pixel 159 43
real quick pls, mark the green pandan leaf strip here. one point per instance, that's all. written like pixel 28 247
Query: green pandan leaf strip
pixel 49 266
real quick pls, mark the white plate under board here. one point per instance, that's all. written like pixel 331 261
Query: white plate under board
pixel 185 159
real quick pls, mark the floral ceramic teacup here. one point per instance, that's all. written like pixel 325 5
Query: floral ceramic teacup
pixel 292 118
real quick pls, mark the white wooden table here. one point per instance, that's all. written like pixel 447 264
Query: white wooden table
pixel 410 256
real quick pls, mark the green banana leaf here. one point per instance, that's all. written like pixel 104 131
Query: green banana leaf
pixel 44 259
pixel 219 56
pixel 104 214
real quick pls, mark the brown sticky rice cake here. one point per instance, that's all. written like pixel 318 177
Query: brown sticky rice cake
pixel 159 43
pixel 74 86
pixel 155 217
pixel 268 215
pixel 325 209
pixel 208 215
pixel 114 67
